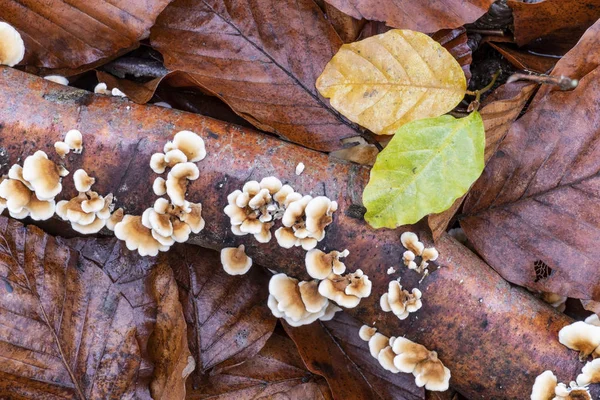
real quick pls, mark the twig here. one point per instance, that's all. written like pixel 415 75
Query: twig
pixel 562 82
pixel 474 106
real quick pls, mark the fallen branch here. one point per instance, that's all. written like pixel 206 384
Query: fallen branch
pixel 495 338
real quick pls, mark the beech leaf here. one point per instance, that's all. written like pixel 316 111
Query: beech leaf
pixel 387 80
pixel 426 166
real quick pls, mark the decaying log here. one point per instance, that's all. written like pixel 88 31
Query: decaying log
pixel 495 338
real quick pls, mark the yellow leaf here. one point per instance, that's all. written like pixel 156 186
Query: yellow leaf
pixel 388 80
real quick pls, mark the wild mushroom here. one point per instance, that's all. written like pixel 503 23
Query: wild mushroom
pixel 408 257
pixel 311 298
pixel 285 291
pixel 137 236
pixel 61 80
pixel 93 204
pixel 299 168
pixel 366 332
pixel 319 213
pixel 582 337
pixel 346 290
pixel 177 181
pixel 114 219
pixel 590 373
pixel 62 149
pixel 190 144
pixel 593 320
pixel 16 194
pixel 158 163
pixel 194 218
pixel 83 182
pixel 428 370
pixel 174 157
pixel 400 301
pixel 40 210
pixel 16 172
pixel 94 227
pixel 101 88
pixel 43 175
pixel 235 261
pixel 571 392
pixel 74 140
pixel 411 241
pixel 544 386
pixel 320 265
pixel 12 48
pixel 117 93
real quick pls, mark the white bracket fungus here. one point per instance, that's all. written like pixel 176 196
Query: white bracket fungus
pixel 137 236
pixel 299 303
pixel 320 265
pixel 12 48
pixel 74 140
pixel 177 181
pixel 299 168
pixel 400 301
pixel 593 320
pixel 43 175
pixel 398 354
pixel 61 80
pixel 101 88
pixel 62 149
pixel 83 182
pixel 346 290
pixel 190 144
pixel 546 387
pixel 159 186
pixel 417 249
pixel 590 373
pixel 235 261
pixel 87 212
pixel 582 337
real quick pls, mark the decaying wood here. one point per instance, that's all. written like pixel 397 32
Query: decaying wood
pixel 495 338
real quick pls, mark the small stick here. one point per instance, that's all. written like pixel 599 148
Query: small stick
pixel 562 82
pixel 474 106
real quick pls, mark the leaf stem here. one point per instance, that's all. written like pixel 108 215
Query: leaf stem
pixel 562 82
pixel 475 103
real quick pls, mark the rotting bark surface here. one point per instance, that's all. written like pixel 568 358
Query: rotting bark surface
pixel 495 339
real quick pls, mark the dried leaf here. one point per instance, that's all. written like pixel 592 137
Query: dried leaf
pixel 555 25
pixel 277 372
pixel 498 113
pixel 149 286
pixel 59 34
pixel 533 214
pixel 228 317
pixel 334 350
pixel 262 60
pixel 387 80
pixel 347 27
pixel 498 341
pixel 424 16
pixel 523 59
pixel 426 166
pixel 591 305
pixel 141 93
pixel 66 331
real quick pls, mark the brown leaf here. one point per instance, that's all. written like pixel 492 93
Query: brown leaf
pixel 141 93
pixel 423 16
pixel 148 284
pixel 590 305
pixel 499 322
pixel 66 331
pixel 499 111
pixel 555 25
pixel 347 27
pixel 228 318
pixel 277 372
pixel 263 61
pixel 533 214
pixel 59 34
pixel 334 350
pixel 523 59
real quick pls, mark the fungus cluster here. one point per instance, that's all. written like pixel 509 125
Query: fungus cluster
pixel 29 191
pixel 168 222
pixel 398 354
pixel 12 48
pixel 346 290
pixel 320 265
pixel 101 88
pixel 299 303
pixel 546 387
pixel 87 212
pixel 415 249
pixel 255 208
pixel 400 301
pixel 73 141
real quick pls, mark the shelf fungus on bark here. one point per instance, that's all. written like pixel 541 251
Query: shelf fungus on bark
pixel 398 354
pixel 43 175
pixel 546 387
pixel 593 320
pixel 235 261
pixel 320 265
pixel 299 303
pixel 83 182
pixel 582 337
pixel 590 373
pixel 346 290
pixel 400 301
pixel 12 47
pixel 87 212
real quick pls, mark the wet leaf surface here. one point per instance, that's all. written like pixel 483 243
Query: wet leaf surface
pixel 262 61
pixel 334 350
pixel 533 215
pixel 59 34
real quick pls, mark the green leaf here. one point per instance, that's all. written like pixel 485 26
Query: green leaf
pixel 427 165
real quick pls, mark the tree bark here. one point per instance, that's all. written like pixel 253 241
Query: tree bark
pixel 494 338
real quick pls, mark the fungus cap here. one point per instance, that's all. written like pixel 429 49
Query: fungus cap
pixel 359 286
pixel 174 157
pixel 107 208
pixel 43 175
pixel 331 289
pixel 312 299
pixel 235 261
pixel 158 163
pixel 40 210
pixel 83 182
pixel 299 168
pixel 94 227
pixel 12 48
pixel 74 140
pixel 117 93
pixel 544 385
pixel 16 172
pixel 366 332
pixel 571 392
pixel 432 374
pixel 386 359
pixel 177 181
pixel 271 183
pixel 319 264
pixel 194 218
pixel 408 354
pixel 114 219
pixel 582 337
pixel 593 320
pixel 190 144
pixel 93 204
pixel 377 342
pixel 61 80
pixel 16 194
pixel 286 238
pixel 285 290
pixel 295 211
pixel 62 149
pixel 101 88
pixel 159 186
pixel 590 373
pixel 137 236
pixel 411 241
pixel 430 254
pixel 319 213
pixel 181 231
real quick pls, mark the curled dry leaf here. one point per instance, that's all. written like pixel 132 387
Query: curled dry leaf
pixel 423 16
pixel 268 79
pixel 525 60
pixel 140 93
pixel 387 80
pixel 228 318
pixel 499 111
pixel 553 24
pixel 498 341
pixel 533 215
pixel 69 35
pixel 149 286
pixel 346 26
pixel 334 350
pixel 276 372
pixel 67 329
